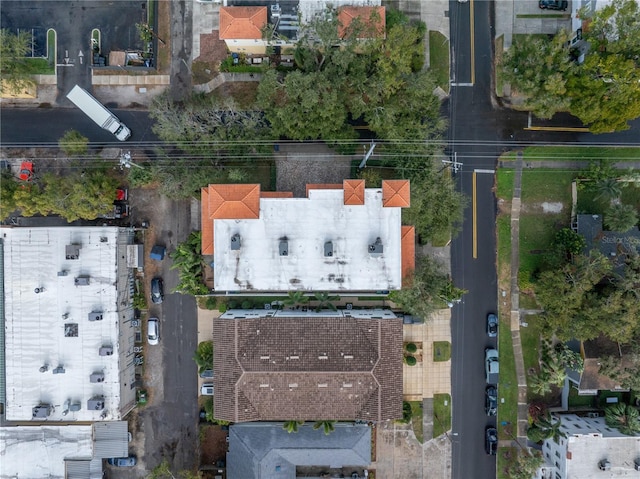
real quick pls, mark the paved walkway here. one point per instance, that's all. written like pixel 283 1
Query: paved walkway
pixel 521 431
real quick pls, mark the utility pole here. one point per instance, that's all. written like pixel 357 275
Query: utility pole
pixel 455 164
pixel 125 160
pixel 363 163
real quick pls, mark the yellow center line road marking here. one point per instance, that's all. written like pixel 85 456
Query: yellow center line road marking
pixel 475 217
pixel 473 45
pixel 557 128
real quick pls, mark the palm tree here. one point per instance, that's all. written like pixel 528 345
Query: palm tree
pixel 609 189
pixel 295 298
pixel 539 384
pixel 623 417
pixel 325 300
pixel 291 426
pixel 328 426
pixel 544 428
pixel 204 356
pixel 620 218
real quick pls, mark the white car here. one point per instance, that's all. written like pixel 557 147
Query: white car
pixel 153 331
pixel 207 389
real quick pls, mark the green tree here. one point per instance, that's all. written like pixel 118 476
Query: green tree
pixel 623 417
pixel 545 428
pixel 188 260
pixel 609 189
pixel 620 217
pixel 204 356
pixel 14 65
pixel 325 301
pixel 327 426
pixel 410 360
pixel 569 243
pixel 422 296
pixel 295 298
pixel 525 466
pixel 73 143
pixel 539 383
pixel 8 188
pixel 292 426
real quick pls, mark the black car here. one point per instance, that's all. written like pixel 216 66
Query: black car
pixel 553 4
pixel 491 440
pixel 157 290
pixel 492 325
pixel 491 401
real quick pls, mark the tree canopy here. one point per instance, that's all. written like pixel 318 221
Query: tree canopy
pixel 604 90
pixel 14 67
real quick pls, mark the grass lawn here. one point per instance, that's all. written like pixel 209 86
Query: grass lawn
pixel 504 187
pixel 441 414
pixel 439 58
pixel 588 204
pixel 506 455
pixel 560 153
pixel 580 401
pixel 244 93
pixel 530 340
pixel 499 48
pixel 51 46
pixel 537 227
pixel 508 385
pixel 416 420
pixel 441 351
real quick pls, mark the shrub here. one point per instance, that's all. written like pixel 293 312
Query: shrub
pixel 410 360
pixel 246 304
pixel 406 412
pixel 411 348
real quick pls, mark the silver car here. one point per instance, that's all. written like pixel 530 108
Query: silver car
pixel 153 331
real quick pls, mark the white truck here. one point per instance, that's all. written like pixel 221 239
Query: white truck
pixel 98 113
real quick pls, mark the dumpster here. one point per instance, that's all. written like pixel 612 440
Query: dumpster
pixel 157 252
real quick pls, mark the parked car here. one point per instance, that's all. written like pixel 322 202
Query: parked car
pixel 207 389
pixel 553 4
pixel 491 401
pixel 26 171
pixel 207 374
pixel 491 440
pixel 157 290
pixel 153 331
pixel 492 325
pixel 122 461
pixel 492 367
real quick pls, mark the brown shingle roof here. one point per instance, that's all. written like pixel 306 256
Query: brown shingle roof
pixel 372 21
pixel 275 368
pixel 353 192
pixel 234 202
pixel 206 222
pixel 323 186
pixel 593 351
pixel 408 251
pixel 242 23
pixel 396 193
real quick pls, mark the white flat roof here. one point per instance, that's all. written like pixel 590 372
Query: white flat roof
pixel 34 452
pixel 307 223
pixel 39 325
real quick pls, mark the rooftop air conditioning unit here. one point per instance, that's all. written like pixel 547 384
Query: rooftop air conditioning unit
pixel 59 370
pixel 95 316
pixel 82 281
pixel 96 403
pixel 328 249
pixel 636 464
pixel 604 465
pixel 235 242
pixel 375 248
pixel 72 251
pixel 97 377
pixel 106 351
pixel 41 411
pixel 284 248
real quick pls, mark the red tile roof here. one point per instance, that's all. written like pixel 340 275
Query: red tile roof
pixel 353 192
pixel 206 223
pixel 372 21
pixel 242 23
pixel 234 202
pixel 276 194
pixel 408 252
pixel 396 193
pixel 323 186
pixel 307 368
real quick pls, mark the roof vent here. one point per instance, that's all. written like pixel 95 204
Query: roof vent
pixel 39 290
pixel 284 248
pixel 59 370
pixel 71 330
pixel 235 242
pixel 96 403
pixel 44 368
pixel 323 385
pixel 63 273
pixel 104 239
pixel 72 251
pixel 328 249
pixel 96 377
pixel 604 465
pixel 265 357
pixel 323 356
pixel 106 350
pixel 42 411
pixel 82 281
pixel 375 249
pixel 348 356
pixel 95 316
